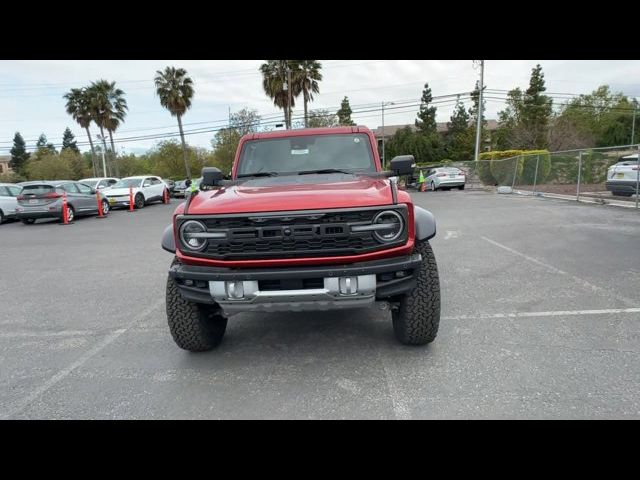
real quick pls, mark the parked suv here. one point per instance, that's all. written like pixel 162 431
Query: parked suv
pixel 100 183
pixel 622 178
pixel 308 221
pixel 44 200
pixel 145 189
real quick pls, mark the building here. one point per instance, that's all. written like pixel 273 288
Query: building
pixel 4 164
pixel 442 128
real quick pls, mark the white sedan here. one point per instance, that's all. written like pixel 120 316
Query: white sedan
pixel 8 200
pixel 99 183
pixel 445 178
pixel 145 189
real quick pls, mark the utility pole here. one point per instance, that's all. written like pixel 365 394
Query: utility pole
pixel 104 163
pixel 633 123
pixel 383 136
pixel 479 126
pixel 229 116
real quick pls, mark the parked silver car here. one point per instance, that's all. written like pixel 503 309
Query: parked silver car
pixel 445 178
pixel 622 178
pixel 99 183
pixel 8 200
pixel 44 200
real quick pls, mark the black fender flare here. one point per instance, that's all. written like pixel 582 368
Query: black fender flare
pixel 425 224
pixel 168 240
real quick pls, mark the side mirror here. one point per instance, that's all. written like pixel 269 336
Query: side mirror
pixel 211 177
pixel 402 165
pixel 187 183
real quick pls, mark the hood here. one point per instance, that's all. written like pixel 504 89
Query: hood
pixel 294 192
pixel 117 192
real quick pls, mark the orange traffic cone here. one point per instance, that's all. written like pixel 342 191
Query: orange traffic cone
pixel 100 211
pixel 65 211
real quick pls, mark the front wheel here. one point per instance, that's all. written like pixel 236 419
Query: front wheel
pixel 138 201
pixel 194 327
pixel 417 317
pixel 433 187
pixel 105 207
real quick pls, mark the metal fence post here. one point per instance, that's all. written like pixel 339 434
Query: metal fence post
pixel 515 173
pixel 638 177
pixel 535 176
pixel 579 175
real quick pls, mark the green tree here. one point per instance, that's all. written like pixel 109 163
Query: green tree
pixel 322 118
pixel 509 119
pixel 426 121
pixel 274 83
pixel 459 138
pixel 166 159
pixel 108 110
pixel 224 145
pixel 344 114
pixel 307 76
pixel 245 121
pixel 176 91
pixel 19 154
pixel 43 146
pixel 49 166
pixel 536 111
pixel 69 141
pixel 78 106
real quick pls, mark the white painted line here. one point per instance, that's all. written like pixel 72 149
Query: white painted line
pixel 24 402
pixel 628 301
pixel 48 333
pixel 553 313
pixel 451 234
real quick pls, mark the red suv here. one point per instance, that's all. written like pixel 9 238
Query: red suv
pixel 308 221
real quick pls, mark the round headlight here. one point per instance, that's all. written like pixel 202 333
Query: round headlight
pixel 189 235
pixel 394 223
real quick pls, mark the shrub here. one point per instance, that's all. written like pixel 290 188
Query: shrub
pixel 11 177
pixel 543 159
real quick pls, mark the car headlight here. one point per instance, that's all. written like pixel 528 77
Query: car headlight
pixel 191 234
pixel 391 225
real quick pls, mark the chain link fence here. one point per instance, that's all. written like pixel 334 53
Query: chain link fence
pixel 582 175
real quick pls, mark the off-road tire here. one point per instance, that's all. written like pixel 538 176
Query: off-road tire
pixel 194 327
pixel 416 320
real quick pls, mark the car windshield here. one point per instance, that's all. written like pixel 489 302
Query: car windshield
pixel 350 152
pixel 91 183
pixel 128 182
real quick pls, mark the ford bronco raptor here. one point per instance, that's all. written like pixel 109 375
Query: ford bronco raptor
pixel 307 221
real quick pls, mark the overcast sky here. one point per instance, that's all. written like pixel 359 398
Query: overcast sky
pixel 31 91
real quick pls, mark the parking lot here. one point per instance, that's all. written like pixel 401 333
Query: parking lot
pixel 540 319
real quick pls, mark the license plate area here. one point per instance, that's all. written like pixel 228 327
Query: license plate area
pixel 619 175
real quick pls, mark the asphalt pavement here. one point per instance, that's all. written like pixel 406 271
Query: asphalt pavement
pixel 540 319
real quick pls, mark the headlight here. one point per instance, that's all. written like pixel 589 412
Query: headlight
pixel 390 227
pixel 191 234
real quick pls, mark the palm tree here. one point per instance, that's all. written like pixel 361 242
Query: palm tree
pixel 274 83
pixel 108 107
pixel 78 107
pixel 175 90
pixel 306 77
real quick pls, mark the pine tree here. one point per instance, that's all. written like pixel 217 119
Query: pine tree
pixel 19 154
pixel 459 138
pixel 344 114
pixel 426 121
pixel 536 110
pixel 69 141
pixel 42 141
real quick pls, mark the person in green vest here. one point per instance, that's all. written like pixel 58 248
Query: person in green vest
pixel 421 181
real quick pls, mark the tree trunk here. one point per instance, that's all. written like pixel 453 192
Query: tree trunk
pixel 113 152
pixel 93 153
pixel 104 149
pixel 184 148
pixel 306 117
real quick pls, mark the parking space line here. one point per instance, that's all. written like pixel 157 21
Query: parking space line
pixel 61 333
pixel 628 301
pixel 552 313
pixel 25 401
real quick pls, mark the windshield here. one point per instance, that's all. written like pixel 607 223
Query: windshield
pixel 91 183
pixel 350 152
pixel 128 182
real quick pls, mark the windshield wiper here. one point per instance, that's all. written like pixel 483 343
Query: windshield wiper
pixel 324 170
pixel 258 174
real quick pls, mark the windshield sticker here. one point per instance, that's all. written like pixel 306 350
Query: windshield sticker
pixel 356 140
pixel 304 151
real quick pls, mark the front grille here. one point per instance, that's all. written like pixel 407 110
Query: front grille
pixel 318 233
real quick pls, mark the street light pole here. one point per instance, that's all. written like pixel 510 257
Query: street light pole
pixel 479 126
pixel 633 125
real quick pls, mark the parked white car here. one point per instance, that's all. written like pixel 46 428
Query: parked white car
pixel 445 178
pixel 100 183
pixel 8 200
pixel 622 178
pixel 146 189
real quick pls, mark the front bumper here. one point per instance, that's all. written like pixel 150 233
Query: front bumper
pixel 298 288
